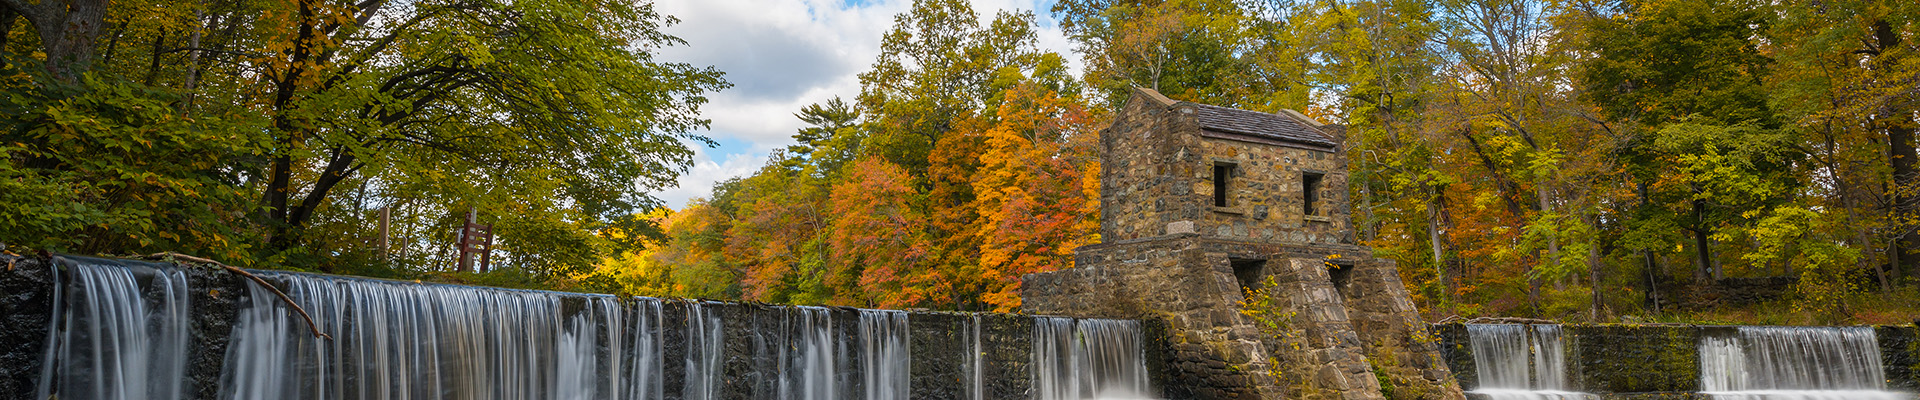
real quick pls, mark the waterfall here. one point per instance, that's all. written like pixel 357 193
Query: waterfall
pixel 884 354
pixel 1793 363
pixel 1520 362
pixel 812 362
pixel 648 352
pixel 124 330
pixel 704 340
pixel 976 360
pixel 117 336
pixel 1088 359
pixel 408 341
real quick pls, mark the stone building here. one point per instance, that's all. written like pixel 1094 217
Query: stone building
pixel 1202 206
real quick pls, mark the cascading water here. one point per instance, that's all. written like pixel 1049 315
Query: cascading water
pixel 704 339
pixel 976 361
pixel 119 336
pixel 648 351
pixel 884 361
pixel 406 341
pixel 1794 363
pixel 1520 362
pixel 812 358
pixel 123 330
pixel 1088 359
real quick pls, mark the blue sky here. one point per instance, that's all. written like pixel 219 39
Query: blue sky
pixel 781 55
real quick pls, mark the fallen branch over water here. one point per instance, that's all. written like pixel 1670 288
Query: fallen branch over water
pixel 256 279
pixel 1510 320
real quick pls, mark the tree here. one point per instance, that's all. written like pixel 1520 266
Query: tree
pixel 552 118
pixel 1208 51
pixel 1038 192
pixel 526 86
pixel 938 67
pixel 877 238
pixel 1839 80
pixel 67 30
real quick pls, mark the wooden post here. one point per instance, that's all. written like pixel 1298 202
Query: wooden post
pixel 386 223
pixel 486 248
pixel 466 237
pixel 475 239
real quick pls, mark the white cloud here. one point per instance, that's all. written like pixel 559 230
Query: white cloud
pixel 699 179
pixel 782 55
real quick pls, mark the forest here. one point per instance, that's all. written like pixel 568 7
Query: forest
pixel 1584 160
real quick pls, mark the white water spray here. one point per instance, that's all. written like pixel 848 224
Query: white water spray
pixel 1088 359
pixel 1521 362
pixel 117 336
pixel 1794 363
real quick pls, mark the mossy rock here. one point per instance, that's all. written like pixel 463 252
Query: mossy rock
pixel 1457 349
pixel 1900 355
pixel 1637 359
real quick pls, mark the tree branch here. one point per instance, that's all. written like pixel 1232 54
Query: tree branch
pixel 256 279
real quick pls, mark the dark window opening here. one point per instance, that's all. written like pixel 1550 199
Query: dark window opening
pixel 1310 191
pixel 1221 174
pixel 1342 277
pixel 1250 273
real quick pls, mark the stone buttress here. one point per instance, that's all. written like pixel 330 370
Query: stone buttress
pixel 1202 204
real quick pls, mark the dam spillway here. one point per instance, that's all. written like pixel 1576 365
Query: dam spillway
pixel 1521 362
pixel 1518 361
pixel 1794 363
pixel 120 329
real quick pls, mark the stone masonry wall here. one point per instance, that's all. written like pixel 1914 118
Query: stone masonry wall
pixel 1157 179
pixel 1215 351
pixel 1210 350
pixel 1900 355
pixel 1398 341
pixel 1144 159
pixel 1265 199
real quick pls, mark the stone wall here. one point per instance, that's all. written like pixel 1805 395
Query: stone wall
pixel 1141 184
pixel 1730 291
pixel 1631 359
pixel 1663 361
pixel 1265 199
pixel 1322 341
pixel 1157 179
pixel 24 313
pixel 1900 355
pixel 31 298
pixel 940 344
pixel 1604 359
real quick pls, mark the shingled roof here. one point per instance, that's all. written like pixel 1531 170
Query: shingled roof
pixel 1261 125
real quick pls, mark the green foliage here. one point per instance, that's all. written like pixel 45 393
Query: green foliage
pixel 109 166
pixel 272 134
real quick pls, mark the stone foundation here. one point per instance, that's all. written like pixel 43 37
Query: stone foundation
pixel 1333 337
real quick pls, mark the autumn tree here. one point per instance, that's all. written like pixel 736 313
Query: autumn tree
pixel 271 133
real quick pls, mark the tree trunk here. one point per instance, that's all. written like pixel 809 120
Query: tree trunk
pixel 1593 278
pixel 291 136
pixel 1553 240
pixel 1706 274
pixel 1436 239
pixel 7 17
pixel 1900 126
pixel 67 31
pixel 1900 136
pixel 1653 281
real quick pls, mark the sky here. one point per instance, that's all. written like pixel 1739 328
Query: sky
pixel 782 55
